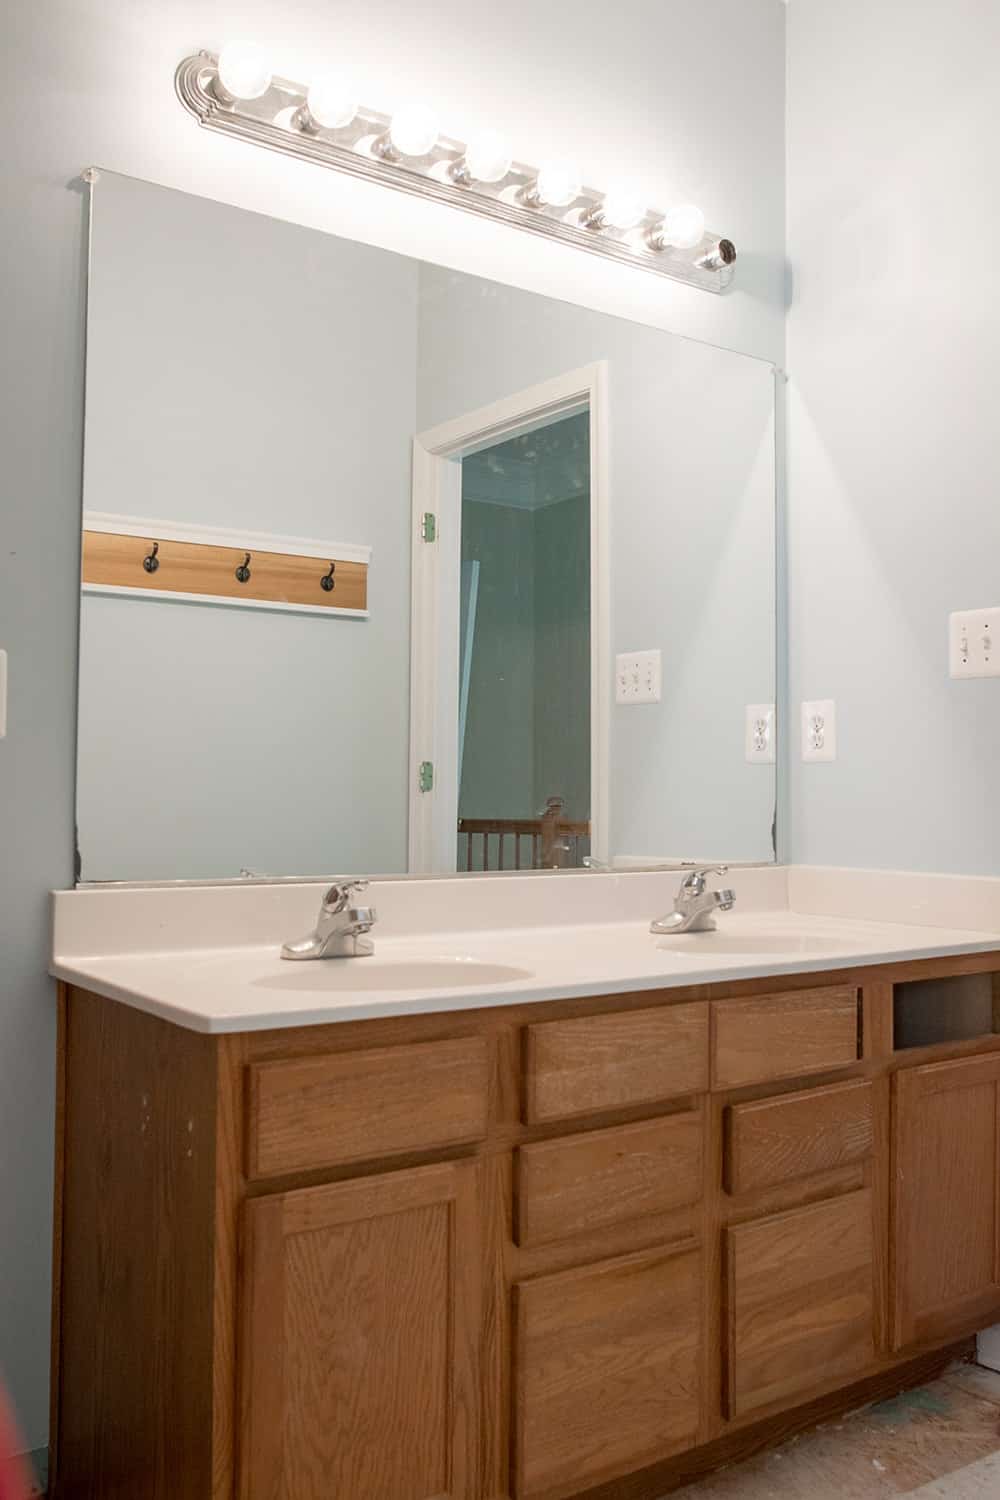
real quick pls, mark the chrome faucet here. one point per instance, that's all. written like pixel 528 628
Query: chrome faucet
pixel 695 904
pixel 340 927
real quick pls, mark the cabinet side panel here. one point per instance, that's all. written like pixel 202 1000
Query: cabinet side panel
pixel 135 1392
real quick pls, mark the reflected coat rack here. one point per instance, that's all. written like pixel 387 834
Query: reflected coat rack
pixel 137 557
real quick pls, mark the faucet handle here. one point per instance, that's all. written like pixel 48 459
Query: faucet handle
pixel 338 897
pixel 694 881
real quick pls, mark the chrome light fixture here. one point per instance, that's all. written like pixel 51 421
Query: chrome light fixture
pixel 323 122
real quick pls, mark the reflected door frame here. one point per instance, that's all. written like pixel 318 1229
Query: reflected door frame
pixel 435 602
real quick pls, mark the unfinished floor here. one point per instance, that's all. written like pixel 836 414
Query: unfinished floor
pixel 939 1442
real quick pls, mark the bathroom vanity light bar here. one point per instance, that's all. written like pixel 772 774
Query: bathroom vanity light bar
pixel 236 93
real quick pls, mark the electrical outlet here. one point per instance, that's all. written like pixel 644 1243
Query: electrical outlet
pixel 974 643
pixel 760 734
pixel 819 730
pixel 637 677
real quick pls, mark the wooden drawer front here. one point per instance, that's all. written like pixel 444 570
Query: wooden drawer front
pixel 588 1182
pixel 612 1061
pixel 607 1362
pixel 800 1297
pixel 356 1106
pixel 784 1036
pixel 777 1140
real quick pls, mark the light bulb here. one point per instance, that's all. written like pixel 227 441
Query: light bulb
pixel 414 130
pixel 332 102
pixel 487 157
pixel 558 183
pixel 243 70
pixel 683 227
pixel 622 208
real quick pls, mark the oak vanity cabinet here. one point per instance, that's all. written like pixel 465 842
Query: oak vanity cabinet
pixel 557 1251
pixel 946 1198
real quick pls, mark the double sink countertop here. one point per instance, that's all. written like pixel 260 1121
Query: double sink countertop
pixel 207 957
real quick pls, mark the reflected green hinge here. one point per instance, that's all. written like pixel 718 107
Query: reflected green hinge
pixel 426 776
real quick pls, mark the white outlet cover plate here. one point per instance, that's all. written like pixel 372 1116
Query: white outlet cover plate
pixel 638 677
pixel 759 734
pixel 819 729
pixel 974 643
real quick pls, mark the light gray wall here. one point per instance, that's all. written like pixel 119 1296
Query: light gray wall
pixel 246 373
pixel 691 97
pixel 691 542
pixel 894 349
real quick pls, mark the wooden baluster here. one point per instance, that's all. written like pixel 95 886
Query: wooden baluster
pixel 500 853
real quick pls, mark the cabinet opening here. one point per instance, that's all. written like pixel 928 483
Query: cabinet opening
pixel 929 1012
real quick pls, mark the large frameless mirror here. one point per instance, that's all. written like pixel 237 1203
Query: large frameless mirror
pixel 390 569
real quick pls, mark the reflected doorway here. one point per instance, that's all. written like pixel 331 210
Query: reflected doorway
pixel 510 675
pixel 524 651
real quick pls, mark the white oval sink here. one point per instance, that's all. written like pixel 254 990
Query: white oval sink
pixel 375 973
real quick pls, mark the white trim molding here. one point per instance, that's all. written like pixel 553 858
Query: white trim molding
pixel 217 536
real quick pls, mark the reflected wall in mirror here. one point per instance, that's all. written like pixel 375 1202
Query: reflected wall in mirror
pixel 363 540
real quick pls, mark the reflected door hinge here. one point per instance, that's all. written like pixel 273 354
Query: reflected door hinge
pixel 429 526
pixel 426 776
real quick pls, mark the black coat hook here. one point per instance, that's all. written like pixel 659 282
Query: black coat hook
pixel 152 562
pixel 326 583
pixel 243 571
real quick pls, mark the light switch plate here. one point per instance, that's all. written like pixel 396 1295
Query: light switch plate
pixel 759 742
pixel 637 677
pixel 819 729
pixel 974 643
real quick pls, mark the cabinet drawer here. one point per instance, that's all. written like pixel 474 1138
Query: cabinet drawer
pixel 800 1301
pixel 606 1177
pixel 607 1369
pixel 355 1106
pixel 777 1140
pixel 784 1036
pixel 596 1063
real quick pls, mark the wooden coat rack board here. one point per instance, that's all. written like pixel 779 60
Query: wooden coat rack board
pixel 130 556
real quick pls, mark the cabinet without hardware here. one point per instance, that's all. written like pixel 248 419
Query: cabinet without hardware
pixel 946 1198
pixel 529 1253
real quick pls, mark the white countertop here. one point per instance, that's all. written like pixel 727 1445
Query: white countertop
pixel 247 987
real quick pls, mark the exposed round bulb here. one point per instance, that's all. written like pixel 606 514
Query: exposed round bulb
pixel 332 102
pixel 487 157
pixel 684 226
pixel 414 130
pixel 243 70
pixel 622 208
pixel 558 183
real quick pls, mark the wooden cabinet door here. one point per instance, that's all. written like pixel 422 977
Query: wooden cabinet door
pixel 945 1199
pixel 800 1301
pixel 607 1369
pixel 359 1358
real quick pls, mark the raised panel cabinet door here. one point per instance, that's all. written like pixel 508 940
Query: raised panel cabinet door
pixel 359 1339
pixel 945 1199
pixel 800 1301
pixel 607 1363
